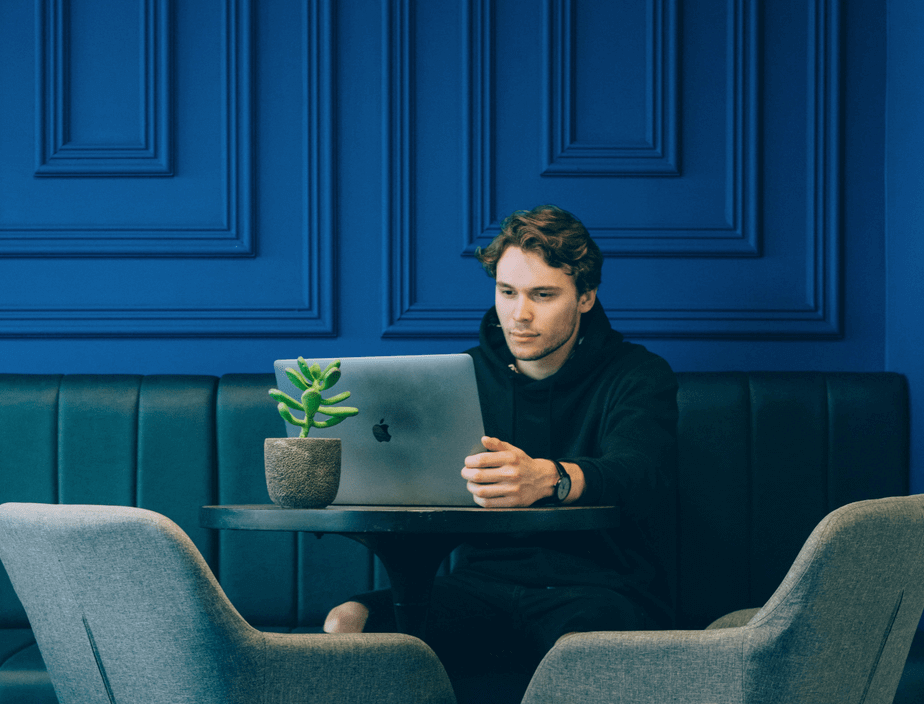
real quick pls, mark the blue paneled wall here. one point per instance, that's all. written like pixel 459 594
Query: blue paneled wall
pixel 202 187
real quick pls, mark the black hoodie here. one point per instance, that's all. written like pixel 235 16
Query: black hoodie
pixel 612 410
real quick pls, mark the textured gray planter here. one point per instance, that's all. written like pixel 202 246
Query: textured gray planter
pixel 302 472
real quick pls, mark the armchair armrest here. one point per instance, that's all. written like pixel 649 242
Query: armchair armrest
pixel 695 667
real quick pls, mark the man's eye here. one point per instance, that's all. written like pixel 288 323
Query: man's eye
pixel 506 292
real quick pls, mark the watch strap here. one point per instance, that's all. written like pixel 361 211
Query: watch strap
pixel 562 476
pixel 561 469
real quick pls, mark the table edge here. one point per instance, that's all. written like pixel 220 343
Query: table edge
pixel 407 519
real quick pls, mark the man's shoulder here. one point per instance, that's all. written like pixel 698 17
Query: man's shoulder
pixel 637 354
pixel 630 360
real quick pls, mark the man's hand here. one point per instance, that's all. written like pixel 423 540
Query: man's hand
pixel 505 476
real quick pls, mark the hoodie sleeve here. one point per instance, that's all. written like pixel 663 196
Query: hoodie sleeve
pixel 636 440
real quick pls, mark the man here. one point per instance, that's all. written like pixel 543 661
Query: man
pixel 574 415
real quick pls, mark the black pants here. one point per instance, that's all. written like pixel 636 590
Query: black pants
pixel 477 625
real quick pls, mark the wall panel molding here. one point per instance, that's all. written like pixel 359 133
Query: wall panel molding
pixel 307 308
pixel 819 317
pixel 232 237
pixel 57 153
pixel 651 153
pixel 318 268
pixel 740 237
pixel 403 314
pixel 397 159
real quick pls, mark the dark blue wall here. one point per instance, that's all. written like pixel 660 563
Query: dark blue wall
pixel 203 187
pixel 905 213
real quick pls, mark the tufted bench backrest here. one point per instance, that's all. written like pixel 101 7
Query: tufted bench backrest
pixel 171 444
pixel 762 458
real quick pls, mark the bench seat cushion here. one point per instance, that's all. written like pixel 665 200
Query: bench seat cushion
pixel 23 678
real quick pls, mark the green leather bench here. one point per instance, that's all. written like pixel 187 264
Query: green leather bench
pixel 762 458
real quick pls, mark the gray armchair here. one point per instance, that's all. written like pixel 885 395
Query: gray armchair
pixel 125 609
pixel 838 629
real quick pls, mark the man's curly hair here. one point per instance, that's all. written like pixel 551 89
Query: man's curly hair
pixel 557 235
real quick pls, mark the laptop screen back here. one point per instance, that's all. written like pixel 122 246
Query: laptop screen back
pixel 419 417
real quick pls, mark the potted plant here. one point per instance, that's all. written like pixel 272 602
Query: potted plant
pixel 304 472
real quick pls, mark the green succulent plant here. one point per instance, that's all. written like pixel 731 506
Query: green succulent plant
pixel 312 381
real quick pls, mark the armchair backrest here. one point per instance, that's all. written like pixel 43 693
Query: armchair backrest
pixel 839 626
pixel 123 606
pixel 837 629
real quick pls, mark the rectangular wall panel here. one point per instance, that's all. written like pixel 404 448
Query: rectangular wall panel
pixel 104 109
pixel 724 225
pixel 97 116
pixel 175 254
pixel 624 122
pixel 734 269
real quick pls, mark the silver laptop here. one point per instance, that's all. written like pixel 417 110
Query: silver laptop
pixel 419 417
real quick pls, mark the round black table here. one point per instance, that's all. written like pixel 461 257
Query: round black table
pixel 411 541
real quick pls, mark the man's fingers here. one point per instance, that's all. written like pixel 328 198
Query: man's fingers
pixel 495 478
pixel 485 491
pixel 498 454
pixel 496 445
pixel 488 460
pixel 495 494
pixel 490 475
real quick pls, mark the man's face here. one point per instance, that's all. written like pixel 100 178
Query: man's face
pixel 539 311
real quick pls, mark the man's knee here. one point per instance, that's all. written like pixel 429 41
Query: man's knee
pixel 349 617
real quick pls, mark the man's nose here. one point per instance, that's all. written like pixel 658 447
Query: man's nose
pixel 522 310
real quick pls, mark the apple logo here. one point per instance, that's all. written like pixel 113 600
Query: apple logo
pixel 380 430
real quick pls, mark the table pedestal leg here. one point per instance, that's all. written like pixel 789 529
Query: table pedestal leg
pixel 411 560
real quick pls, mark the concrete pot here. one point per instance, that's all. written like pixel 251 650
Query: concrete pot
pixel 302 472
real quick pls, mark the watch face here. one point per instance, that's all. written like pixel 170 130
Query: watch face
pixel 563 489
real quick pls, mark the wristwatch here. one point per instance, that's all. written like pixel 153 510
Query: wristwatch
pixel 563 487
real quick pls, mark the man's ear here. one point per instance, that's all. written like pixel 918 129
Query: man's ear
pixel 586 300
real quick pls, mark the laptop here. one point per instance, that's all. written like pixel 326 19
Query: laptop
pixel 419 418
